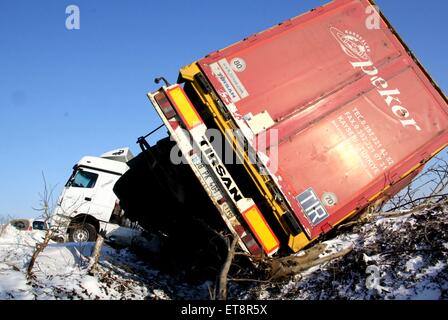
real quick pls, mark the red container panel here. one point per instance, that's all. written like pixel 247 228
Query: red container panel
pixel 354 111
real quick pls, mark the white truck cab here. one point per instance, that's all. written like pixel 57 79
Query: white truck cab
pixel 87 204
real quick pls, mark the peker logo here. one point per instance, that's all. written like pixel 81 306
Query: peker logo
pixel 352 44
pixel 357 48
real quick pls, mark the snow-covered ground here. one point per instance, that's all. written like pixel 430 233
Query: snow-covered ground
pixel 61 272
pixel 401 257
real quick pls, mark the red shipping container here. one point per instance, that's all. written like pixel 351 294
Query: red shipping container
pixel 353 109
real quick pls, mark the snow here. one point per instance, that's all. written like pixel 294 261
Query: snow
pixel 404 257
pixel 393 258
pixel 414 264
pixel 61 270
pixel 13 285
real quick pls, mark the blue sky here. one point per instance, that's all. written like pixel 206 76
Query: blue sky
pixel 65 94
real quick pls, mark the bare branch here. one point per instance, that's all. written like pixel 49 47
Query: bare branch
pixel 222 284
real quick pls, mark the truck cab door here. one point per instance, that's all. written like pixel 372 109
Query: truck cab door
pixel 78 193
pixel 103 199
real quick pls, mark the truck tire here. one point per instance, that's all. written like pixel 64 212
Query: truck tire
pixel 82 232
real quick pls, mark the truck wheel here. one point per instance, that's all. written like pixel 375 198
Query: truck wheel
pixel 82 232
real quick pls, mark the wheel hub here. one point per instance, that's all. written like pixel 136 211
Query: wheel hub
pixel 81 235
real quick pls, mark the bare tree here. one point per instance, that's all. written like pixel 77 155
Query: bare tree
pixel 221 290
pixel 45 207
pixel 429 186
pixel 57 227
pixel 93 269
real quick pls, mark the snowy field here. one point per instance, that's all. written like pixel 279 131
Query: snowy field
pixel 401 257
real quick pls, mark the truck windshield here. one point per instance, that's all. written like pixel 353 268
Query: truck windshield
pixel 83 179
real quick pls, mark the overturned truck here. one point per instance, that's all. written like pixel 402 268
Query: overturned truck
pixel 287 133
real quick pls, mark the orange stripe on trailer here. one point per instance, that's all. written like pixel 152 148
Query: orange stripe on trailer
pixel 184 107
pixel 261 230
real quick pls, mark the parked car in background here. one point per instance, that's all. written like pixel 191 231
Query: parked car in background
pixel 22 224
pixel 40 225
pixel 29 224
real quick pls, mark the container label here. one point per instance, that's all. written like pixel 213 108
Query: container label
pixel 361 142
pixel 312 207
pixel 233 78
pixel 329 199
pixel 229 80
pixel 238 64
pixel 225 83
